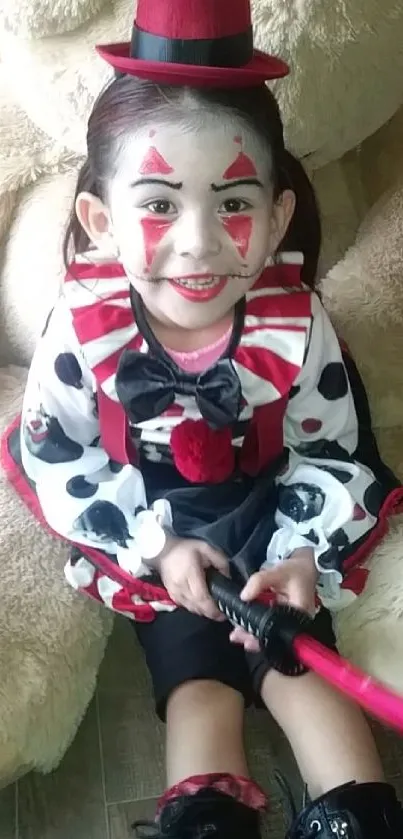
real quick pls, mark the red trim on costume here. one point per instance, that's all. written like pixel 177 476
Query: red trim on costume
pixel 94 271
pixel 289 305
pixel 107 367
pixel 254 359
pixel 115 431
pixel 92 329
pixel 392 505
pixel 18 480
pixel 16 477
pixel 242 789
pixel 285 275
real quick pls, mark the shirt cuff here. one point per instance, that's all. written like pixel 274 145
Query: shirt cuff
pixel 148 537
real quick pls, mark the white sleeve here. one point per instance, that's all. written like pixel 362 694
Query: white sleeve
pixel 324 496
pixel 84 496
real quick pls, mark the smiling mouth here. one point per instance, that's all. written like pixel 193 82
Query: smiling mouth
pixel 199 289
pixel 202 281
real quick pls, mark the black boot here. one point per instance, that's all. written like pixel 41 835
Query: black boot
pixel 353 811
pixel 209 814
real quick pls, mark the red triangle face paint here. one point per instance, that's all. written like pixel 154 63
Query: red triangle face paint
pixel 154 229
pixel 242 167
pixel 240 229
pixel 154 164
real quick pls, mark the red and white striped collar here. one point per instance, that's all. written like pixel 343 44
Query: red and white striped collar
pixel 271 349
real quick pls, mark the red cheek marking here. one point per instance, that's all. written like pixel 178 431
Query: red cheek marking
pixel 153 231
pixel 242 167
pixel 154 164
pixel 240 229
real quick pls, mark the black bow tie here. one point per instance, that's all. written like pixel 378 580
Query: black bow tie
pixel 146 386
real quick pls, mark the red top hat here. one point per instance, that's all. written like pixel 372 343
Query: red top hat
pixel 201 43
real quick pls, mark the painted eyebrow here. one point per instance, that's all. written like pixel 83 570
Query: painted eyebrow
pixel 156 181
pixel 240 182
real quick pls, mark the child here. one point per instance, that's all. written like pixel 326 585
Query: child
pixel 188 406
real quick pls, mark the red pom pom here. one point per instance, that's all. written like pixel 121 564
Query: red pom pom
pixel 201 454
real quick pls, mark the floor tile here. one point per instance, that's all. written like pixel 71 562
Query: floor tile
pixel 132 745
pixel 8 813
pixel 123 667
pixel 69 803
pixel 122 816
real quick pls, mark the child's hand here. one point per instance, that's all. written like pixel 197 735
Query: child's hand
pixel 182 568
pixel 293 582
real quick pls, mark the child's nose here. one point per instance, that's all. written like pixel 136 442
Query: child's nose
pixel 197 237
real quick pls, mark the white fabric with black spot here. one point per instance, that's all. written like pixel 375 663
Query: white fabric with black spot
pixel 324 494
pixel 88 498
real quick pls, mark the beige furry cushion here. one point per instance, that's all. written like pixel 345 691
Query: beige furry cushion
pixel 370 632
pixel 364 293
pixel 51 639
pixel 37 18
pixel 346 57
pixel 32 265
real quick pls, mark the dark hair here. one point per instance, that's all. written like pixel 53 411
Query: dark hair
pixel 128 103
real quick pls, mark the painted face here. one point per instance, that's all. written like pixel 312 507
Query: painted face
pixel 191 214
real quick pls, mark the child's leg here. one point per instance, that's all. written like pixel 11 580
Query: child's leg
pixel 201 683
pixel 338 760
pixel 330 738
pixel 204 731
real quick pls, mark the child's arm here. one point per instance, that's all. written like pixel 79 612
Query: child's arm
pixel 325 495
pixel 84 496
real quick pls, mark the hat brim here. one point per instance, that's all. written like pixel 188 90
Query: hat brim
pixel 262 68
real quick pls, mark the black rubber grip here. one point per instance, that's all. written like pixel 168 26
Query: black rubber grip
pixel 275 626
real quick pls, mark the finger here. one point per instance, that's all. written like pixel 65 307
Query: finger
pixel 200 595
pixel 182 596
pixel 272 578
pixel 210 556
pixel 250 644
pixel 300 595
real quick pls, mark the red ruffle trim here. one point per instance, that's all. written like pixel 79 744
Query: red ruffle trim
pixel 242 789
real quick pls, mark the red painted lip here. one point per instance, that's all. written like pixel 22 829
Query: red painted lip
pixel 199 295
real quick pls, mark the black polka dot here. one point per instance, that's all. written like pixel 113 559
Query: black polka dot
pixel 312 537
pixel 339 539
pixel 330 559
pixel 95 443
pixel 115 467
pixel 333 383
pixel 68 370
pixel 341 475
pixel 294 391
pixel 78 487
pixel 373 498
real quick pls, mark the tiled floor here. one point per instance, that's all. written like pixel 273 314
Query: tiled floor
pixel 114 769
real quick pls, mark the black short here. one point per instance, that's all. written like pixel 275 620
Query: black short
pixel 180 647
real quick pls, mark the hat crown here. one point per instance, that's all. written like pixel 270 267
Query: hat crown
pixel 193 19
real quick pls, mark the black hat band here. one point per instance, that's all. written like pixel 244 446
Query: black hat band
pixel 229 51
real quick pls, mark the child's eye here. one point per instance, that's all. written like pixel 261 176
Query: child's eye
pixel 234 205
pixel 161 207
